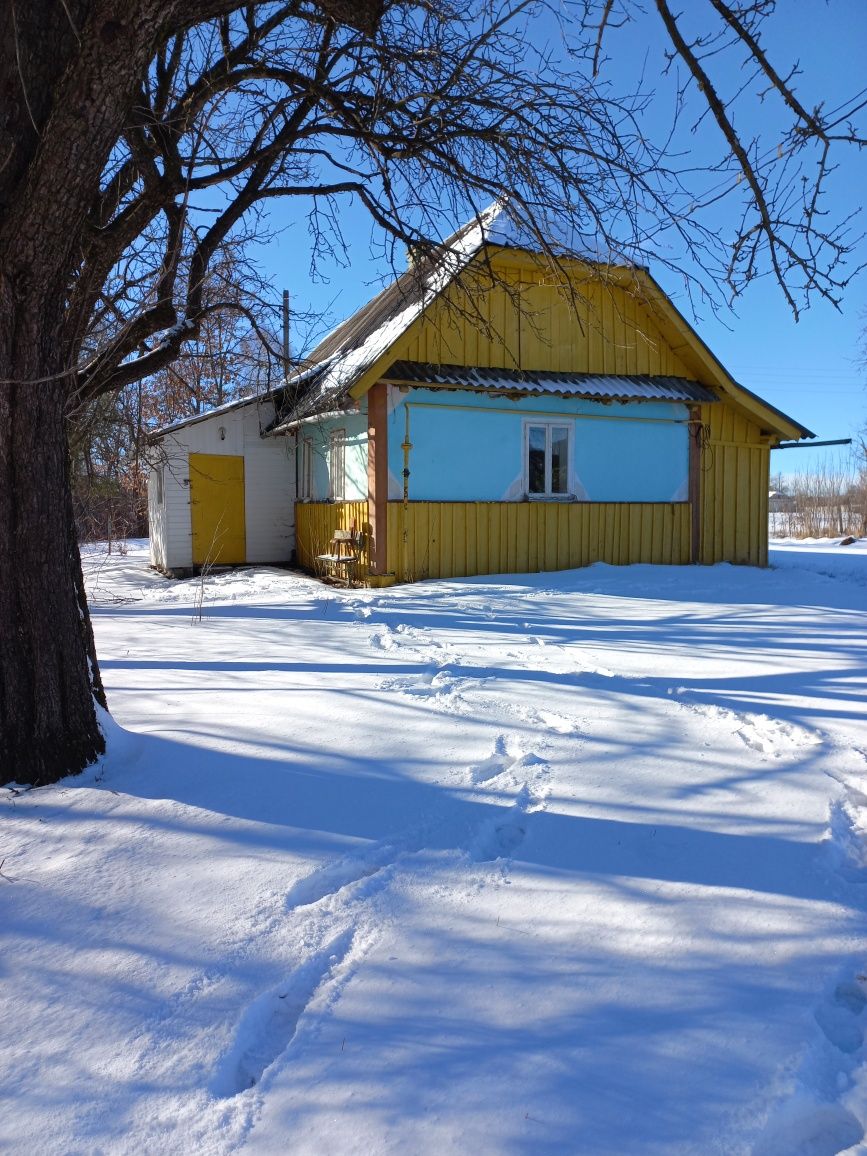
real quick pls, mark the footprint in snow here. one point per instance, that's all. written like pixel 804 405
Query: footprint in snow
pixel 769 736
pixel 810 1129
pixel 334 877
pixel 840 1017
pixel 556 722
pixel 269 1025
pixel 383 640
pixel 501 836
pixel 501 760
pixel 759 732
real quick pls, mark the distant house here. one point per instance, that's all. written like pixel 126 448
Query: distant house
pixel 494 410
pixel 779 502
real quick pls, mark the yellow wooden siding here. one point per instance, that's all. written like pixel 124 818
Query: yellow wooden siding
pixel 734 489
pixel 604 328
pixel 450 539
pixel 315 523
pixel 217 509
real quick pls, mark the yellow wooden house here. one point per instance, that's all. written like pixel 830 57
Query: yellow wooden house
pixel 501 411
pixel 494 410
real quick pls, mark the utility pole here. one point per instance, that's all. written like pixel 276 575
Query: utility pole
pixel 285 332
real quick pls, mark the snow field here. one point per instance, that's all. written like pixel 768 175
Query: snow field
pixel 564 863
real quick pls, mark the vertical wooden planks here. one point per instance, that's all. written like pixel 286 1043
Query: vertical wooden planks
pixel 315 523
pixel 451 539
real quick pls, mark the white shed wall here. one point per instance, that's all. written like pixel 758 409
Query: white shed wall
pixel 156 519
pixel 269 486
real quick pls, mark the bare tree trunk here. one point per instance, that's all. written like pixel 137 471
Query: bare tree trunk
pixel 48 670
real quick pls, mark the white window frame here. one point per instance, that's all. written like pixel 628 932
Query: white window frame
pixel 305 469
pixel 548 424
pixel 159 487
pixel 337 466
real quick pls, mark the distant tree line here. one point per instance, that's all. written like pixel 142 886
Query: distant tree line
pixel 828 502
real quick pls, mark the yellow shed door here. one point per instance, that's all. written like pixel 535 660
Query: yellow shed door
pixel 217 509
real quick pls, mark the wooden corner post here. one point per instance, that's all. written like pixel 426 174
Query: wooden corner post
pixel 377 475
pixel 696 435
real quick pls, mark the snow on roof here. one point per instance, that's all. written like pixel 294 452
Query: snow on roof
pixel 562 239
pixel 353 347
pixel 237 403
pixel 350 349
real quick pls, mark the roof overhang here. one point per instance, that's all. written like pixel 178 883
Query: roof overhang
pixel 229 407
pixel 687 344
pixel 608 387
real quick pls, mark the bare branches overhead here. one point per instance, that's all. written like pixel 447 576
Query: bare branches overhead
pixel 421 112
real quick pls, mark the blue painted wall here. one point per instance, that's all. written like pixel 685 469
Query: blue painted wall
pixel 467 447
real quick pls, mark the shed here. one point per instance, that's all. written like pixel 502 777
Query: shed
pixel 219 493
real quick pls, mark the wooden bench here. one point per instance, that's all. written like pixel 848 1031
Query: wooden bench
pixel 340 564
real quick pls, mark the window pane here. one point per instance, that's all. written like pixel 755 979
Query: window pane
pixel 559 459
pixel 337 465
pixel 536 462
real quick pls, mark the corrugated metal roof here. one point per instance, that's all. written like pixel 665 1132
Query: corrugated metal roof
pixel 599 386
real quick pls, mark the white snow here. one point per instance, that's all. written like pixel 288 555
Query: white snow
pixel 822 555
pixel 558 863
pixel 342 369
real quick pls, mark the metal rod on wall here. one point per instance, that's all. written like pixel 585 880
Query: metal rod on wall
pixel 811 445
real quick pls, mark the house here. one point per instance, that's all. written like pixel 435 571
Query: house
pixel 780 502
pixel 493 410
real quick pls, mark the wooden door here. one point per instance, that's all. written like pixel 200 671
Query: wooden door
pixel 217 509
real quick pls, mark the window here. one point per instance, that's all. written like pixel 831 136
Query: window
pixel 159 493
pixel 337 466
pixel 547 452
pixel 305 469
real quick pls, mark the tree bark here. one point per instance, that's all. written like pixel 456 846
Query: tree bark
pixel 57 142
pixel 48 670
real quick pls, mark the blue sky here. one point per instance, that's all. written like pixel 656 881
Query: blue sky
pixel 810 368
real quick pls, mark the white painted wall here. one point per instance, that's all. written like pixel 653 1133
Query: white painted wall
pixel 269 483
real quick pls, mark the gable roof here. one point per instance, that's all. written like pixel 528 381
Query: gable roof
pixel 357 353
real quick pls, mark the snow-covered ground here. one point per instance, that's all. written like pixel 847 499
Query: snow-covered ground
pixel 822 555
pixel 550 864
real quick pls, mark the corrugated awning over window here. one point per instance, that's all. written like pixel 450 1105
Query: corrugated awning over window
pixel 592 386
